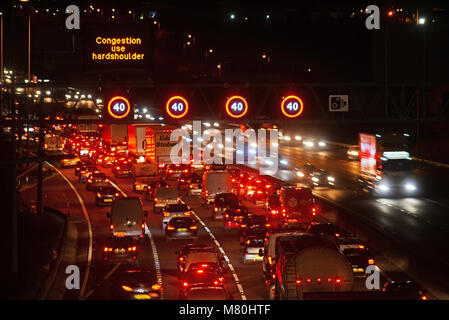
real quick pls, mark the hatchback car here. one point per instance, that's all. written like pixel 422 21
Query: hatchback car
pixel 181 228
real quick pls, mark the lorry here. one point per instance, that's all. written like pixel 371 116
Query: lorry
pixel 386 168
pixel 297 206
pixel 158 144
pixel 136 140
pixel 127 217
pixel 143 174
pixel 307 265
pixel 114 133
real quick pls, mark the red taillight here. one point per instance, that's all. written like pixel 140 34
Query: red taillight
pixel 170 171
pixel 309 280
pixel 107 180
pixel 132 248
pixel 186 170
pixel 298 281
pixel 170 228
pixel 90 180
pixel 270 260
pixel 423 297
pixel 361 246
pixel 371 261
pixel 233 180
pixel 227 216
pixel 268 186
pixel 143 225
pixel 329 279
pixel 274 211
pixel 337 281
pixel 243 225
pixel 117 168
pixel 193 227
pixel 111 226
pixel 200 271
pixel 314 211
pixel 182 180
pixel 267 225
pixel 185 284
pixel 107 249
pixel 181 259
pixel 116 194
pixel 318 280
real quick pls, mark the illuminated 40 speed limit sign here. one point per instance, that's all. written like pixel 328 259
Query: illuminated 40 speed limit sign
pixel 177 107
pixel 119 107
pixel 292 106
pixel 236 106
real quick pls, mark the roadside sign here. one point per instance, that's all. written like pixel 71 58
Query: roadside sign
pixel 338 103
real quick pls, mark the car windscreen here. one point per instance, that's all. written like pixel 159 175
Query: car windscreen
pixel 324 229
pixel 181 222
pixel 227 199
pixel 177 208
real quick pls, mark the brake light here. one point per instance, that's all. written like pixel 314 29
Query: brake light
pixel 268 186
pixel 274 211
pixel 216 209
pixel 90 180
pixel 156 287
pixel 170 171
pixel 107 249
pixel 337 235
pixel 259 192
pixel 181 259
pixel 314 211
pixel 185 284
pixel 221 279
pixel 371 261
pixel 166 214
pixel 182 180
pixel 270 260
pixel 132 248
pixel 267 225
pixel 233 180
pixel 186 170
pixel 170 228
pixel 248 242
pixel 111 226
pixel 99 195
pixel 361 246
pixel 107 180
pixel 423 297
pixel 243 225
pixel 298 281
pixel 227 216
pixel 318 280
pixel 309 280
pixel 116 194
pixel 143 225
pixel 186 213
pixel 117 168
pixel 155 199
pixel 193 227
pixel 337 281
pixel 200 271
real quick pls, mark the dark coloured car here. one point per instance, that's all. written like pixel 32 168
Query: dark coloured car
pixel 136 285
pixel 200 277
pixel 121 249
pixel 122 170
pixel 359 258
pixel 97 180
pixel 181 228
pixel 234 217
pixel 105 195
pixel 222 202
pixel 207 293
pixel 253 220
pixel 151 188
pixel 405 290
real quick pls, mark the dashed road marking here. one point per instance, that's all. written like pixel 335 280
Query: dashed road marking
pixel 157 264
pixel 231 267
pixel 112 271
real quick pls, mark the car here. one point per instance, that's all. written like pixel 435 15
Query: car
pixel 405 289
pixel 122 170
pixel 80 167
pixel 97 180
pixel 173 171
pixel 223 201
pixel 304 172
pixel 150 189
pixel 203 276
pixel 104 196
pixel 322 178
pixel 326 230
pixel 174 210
pixel 349 241
pixel 353 152
pixel 253 220
pixel 182 183
pixel 120 249
pixel 136 285
pixel 127 217
pixel 243 179
pixel 164 196
pixel 195 183
pixel 360 259
pixel 108 161
pixel 84 174
pixel 181 228
pixel 255 230
pixel 70 160
pixel 234 217
pixel 253 248
pixel 196 259
pixel 207 293
pixel 298 206
pixel 189 248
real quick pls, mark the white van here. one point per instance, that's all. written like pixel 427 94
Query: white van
pixel 127 217
pixel 215 182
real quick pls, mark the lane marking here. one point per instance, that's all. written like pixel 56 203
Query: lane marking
pixel 228 261
pixel 89 228
pixel 157 264
pixel 112 271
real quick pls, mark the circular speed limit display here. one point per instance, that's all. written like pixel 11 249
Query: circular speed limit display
pixel 292 106
pixel 177 107
pixel 236 106
pixel 119 107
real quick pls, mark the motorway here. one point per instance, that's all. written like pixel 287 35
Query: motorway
pixel 244 281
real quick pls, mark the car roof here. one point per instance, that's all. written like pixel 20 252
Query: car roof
pixel 202 256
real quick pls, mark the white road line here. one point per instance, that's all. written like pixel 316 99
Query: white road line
pixel 89 228
pixel 112 271
pixel 157 264
pixel 228 261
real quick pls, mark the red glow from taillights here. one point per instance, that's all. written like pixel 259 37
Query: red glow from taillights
pixel 270 260
pixel 424 297
pixel 193 227
pixel 267 225
pixel 274 211
pixel 170 171
pixel 371 261
pixel 298 281
pixel 107 249
pixel 143 225
pixel 200 271
pixel 117 194
pixel 185 284
pixel 337 281
pixel 181 259
pixel 314 211
pixel 186 170
pixel 170 228
pixel 111 226
pixel 227 216
pixel 309 280
pixel 132 249
pixel 243 225
pixel 117 168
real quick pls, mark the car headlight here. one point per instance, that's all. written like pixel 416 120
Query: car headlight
pixel 299 174
pixel 284 162
pixel 298 138
pixel 322 144
pixel 384 187
pixel 308 143
pixel 315 179
pixel 287 138
pixel 331 178
pixel 410 187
